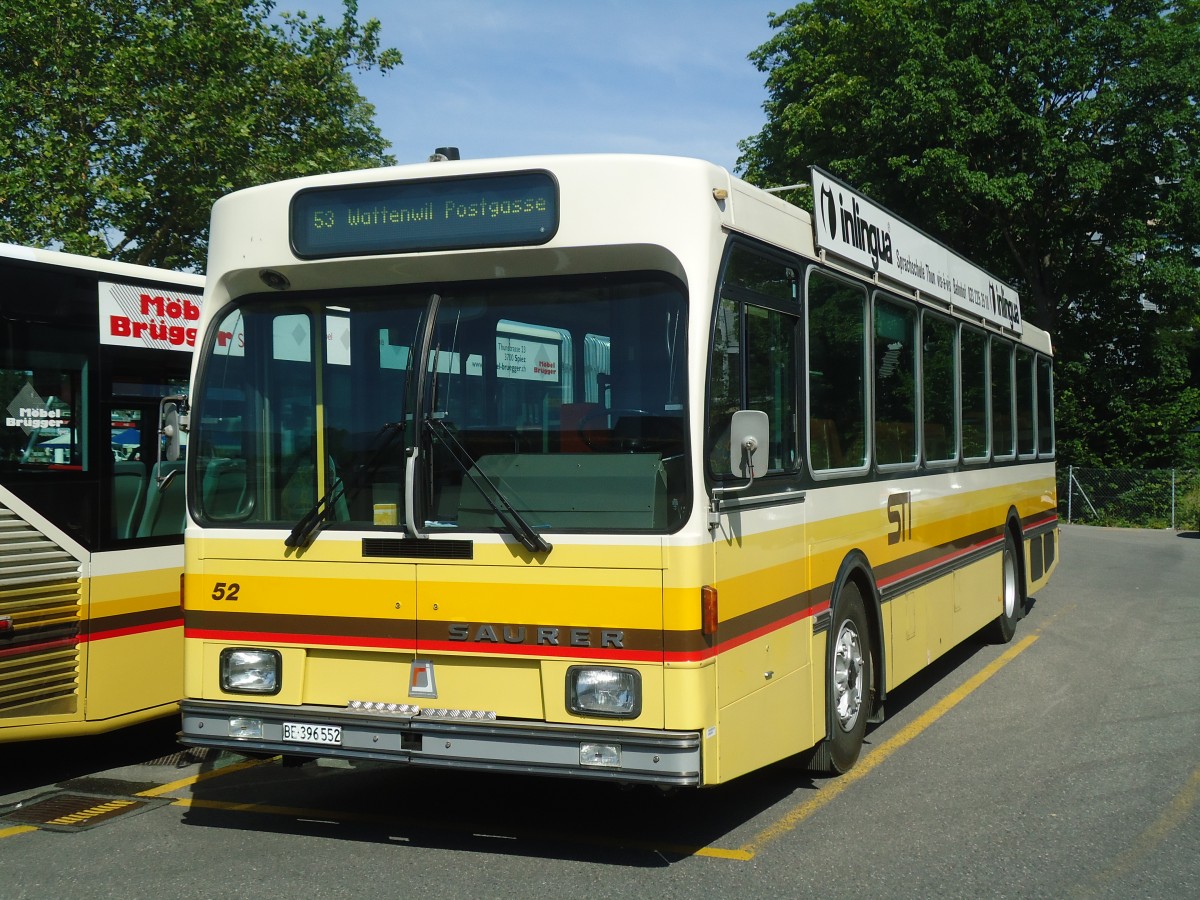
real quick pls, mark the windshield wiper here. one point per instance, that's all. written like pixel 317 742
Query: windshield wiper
pixel 303 530
pixel 513 521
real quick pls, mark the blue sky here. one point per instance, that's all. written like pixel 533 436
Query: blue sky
pixel 511 77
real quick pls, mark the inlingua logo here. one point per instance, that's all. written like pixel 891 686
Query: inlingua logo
pixel 856 230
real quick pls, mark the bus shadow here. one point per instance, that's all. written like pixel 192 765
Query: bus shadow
pixel 65 762
pixel 513 815
pixel 946 665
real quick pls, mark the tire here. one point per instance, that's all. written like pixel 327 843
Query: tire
pixel 848 686
pixel 1001 630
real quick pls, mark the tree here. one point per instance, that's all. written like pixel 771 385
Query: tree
pixel 1056 143
pixel 121 121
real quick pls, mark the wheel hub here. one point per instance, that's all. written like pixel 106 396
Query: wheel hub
pixel 848 675
pixel 1010 584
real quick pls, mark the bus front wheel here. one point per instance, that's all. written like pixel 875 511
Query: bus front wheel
pixel 847 685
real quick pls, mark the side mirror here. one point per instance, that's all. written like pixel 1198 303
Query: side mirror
pixel 172 423
pixel 749 443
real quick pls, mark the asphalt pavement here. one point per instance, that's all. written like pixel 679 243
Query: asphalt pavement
pixel 1063 764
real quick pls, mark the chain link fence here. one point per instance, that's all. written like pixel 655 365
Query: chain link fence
pixel 1135 498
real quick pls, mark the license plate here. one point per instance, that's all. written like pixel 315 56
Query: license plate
pixel 302 733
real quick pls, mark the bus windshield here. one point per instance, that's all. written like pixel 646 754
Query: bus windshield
pixel 560 400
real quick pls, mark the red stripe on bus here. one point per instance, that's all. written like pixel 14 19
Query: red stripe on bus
pixel 753 634
pixel 503 649
pixel 551 650
pixel 132 629
pixel 940 561
pixel 1038 523
pixel 263 637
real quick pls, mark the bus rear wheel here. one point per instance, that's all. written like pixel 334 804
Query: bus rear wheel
pixel 847 685
pixel 1004 626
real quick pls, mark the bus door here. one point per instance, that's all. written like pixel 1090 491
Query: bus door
pixel 760 513
pixel 303 427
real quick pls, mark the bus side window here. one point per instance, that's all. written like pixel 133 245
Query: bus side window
pixel 1002 398
pixel 837 385
pixel 46 424
pixel 938 381
pixel 973 393
pixel 895 368
pixel 1026 431
pixel 1045 407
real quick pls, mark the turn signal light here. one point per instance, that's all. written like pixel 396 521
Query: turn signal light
pixel 708 610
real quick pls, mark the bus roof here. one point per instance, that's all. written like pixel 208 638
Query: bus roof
pixel 650 193
pixel 106 267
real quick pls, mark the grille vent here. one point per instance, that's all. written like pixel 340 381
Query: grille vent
pixel 40 592
pixel 411 548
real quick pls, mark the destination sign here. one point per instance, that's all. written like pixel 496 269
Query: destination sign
pixel 508 210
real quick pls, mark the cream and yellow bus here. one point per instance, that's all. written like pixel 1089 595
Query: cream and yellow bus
pixel 611 467
pixel 91 523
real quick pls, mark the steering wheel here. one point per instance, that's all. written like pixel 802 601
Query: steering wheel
pixel 609 442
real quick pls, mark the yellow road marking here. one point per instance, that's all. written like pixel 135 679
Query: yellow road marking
pixel 831 789
pixel 1174 816
pixel 90 813
pixel 739 854
pixel 76 818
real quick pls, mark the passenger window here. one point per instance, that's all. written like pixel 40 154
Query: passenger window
pixel 44 425
pixel 895 367
pixel 764 276
pixel 837 331
pixel 1002 398
pixel 1026 430
pixel 938 380
pixel 1045 407
pixel 973 393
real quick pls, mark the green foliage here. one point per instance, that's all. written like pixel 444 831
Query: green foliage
pixel 121 121
pixel 1130 498
pixel 1187 517
pixel 1057 143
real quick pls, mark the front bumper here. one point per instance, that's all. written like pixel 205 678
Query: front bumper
pixel 531 748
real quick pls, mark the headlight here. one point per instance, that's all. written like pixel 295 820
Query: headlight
pixel 245 671
pixel 604 692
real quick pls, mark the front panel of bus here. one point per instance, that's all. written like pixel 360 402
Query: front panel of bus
pixel 553 415
pixel 436 495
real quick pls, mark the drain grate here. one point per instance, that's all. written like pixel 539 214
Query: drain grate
pixel 75 812
pixel 186 757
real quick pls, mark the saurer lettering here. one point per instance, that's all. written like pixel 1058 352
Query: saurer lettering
pixel 536 635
